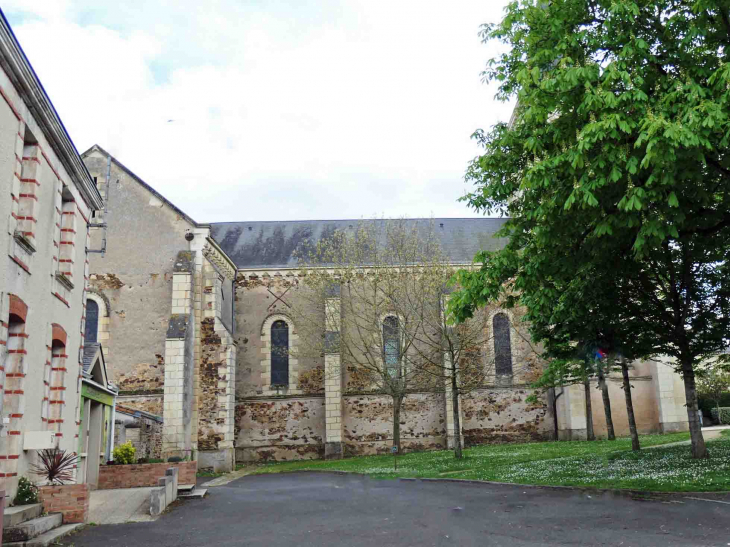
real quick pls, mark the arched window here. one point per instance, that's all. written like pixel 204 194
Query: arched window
pixel 391 345
pixel 280 353
pixel 14 366
pixel 92 322
pixel 502 345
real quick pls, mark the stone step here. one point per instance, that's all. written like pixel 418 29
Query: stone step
pixel 197 493
pixel 185 487
pixel 32 528
pixel 15 515
pixel 49 538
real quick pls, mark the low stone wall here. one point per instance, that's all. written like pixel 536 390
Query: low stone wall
pixel 71 500
pixel 166 493
pixel 143 474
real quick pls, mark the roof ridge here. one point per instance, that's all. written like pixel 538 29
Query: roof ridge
pixel 352 220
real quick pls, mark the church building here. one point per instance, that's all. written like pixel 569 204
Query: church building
pixel 195 325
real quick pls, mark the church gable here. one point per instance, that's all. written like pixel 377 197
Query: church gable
pixel 96 159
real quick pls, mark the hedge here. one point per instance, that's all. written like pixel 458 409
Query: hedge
pixel 706 405
pixel 724 414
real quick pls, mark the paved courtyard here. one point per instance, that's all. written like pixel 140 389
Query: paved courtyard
pixel 315 509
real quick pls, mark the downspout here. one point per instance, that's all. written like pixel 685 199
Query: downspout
pixel 110 443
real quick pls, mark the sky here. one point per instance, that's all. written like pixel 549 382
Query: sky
pixel 245 110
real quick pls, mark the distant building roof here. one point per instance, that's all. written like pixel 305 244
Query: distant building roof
pixel 271 244
pixel 138 413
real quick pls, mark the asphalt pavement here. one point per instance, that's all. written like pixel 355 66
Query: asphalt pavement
pixel 318 509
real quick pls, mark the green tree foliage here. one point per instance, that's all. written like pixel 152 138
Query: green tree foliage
pixel 714 383
pixel 616 175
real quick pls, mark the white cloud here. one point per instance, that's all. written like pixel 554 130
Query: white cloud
pixel 321 109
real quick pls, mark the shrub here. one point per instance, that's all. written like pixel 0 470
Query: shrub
pixel 706 405
pixel 173 459
pixel 56 466
pixel 156 460
pixel 27 492
pixel 124 453
pixel 724 415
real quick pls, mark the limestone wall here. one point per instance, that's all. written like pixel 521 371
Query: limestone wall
pixel 144 235
pixel 643 399
pixel 280 429
pixel 500 415
pixel 657 396
pixel 368 423
pixel 260 299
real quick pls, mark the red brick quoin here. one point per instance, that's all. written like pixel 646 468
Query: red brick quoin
pixel 72 500
pixel 143 474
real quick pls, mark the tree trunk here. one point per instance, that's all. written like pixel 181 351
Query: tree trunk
pixel 606 402
pixel 552 401
pixel 590 434
pixel 717 407
pixel 630 406
pixel 455 407
pixel 699 450
pixel 396 422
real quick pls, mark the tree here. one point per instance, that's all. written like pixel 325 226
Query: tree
pixel 395 337
pixel 616 164
pixel 368 267
pixel 713 381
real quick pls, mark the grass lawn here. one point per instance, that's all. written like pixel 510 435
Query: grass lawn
pixel 598 464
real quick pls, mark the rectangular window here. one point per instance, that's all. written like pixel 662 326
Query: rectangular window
pixel 67 240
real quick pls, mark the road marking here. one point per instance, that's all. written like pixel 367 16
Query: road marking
pixel 713 501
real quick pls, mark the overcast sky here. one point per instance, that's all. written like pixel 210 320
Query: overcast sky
pixel 273 109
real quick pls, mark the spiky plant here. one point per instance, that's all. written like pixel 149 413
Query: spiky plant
pixel 56 466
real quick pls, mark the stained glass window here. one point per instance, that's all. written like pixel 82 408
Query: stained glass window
pixel 502 345
pixel 280 353
pixel 391 345
pixel 92 322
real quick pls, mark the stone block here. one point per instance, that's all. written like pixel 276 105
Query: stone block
pixel 333 450
pixel 157 501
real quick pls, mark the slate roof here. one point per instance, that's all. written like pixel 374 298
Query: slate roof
pixel 271 244
pixel 89 354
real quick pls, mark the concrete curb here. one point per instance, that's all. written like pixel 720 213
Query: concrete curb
pixel 619 491
pixel 588 489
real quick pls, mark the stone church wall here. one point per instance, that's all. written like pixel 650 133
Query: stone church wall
pixel 501 415
pixel 138 284
pixel 259 298
pixel 368 423
pixel 280 429
pixel 643 399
